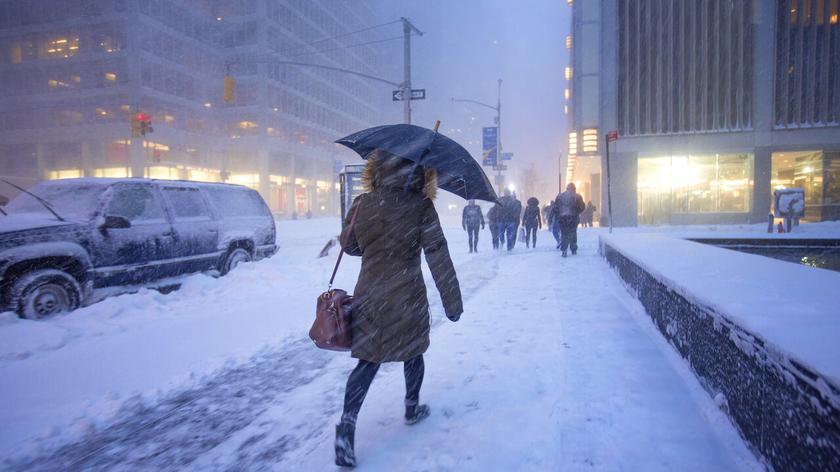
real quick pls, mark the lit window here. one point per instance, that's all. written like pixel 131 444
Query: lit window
pixel 568 73
pixel 568 42
pixel 572 143
pixel 61 47
pixel 110 77
pixel 590 141
pixel 247 125
pixel 567 93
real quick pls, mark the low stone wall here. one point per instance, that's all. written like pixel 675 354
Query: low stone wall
pixel 788 413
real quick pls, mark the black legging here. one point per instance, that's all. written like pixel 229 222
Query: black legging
pixel 531 234
pixel 472 231
pixel 362 376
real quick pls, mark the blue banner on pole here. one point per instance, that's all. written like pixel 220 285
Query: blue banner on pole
pixel 490 140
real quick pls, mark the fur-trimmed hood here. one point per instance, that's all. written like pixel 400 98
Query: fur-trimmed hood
pixel 393 172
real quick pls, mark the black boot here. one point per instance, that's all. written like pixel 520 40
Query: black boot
pixel 345 455
pixel 416 413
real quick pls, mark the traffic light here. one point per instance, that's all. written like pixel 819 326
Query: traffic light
pixel 141 124
pixel 146 127
pixel 230 87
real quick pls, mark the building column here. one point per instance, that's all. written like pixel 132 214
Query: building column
pixel 762 192
pixel 623 167
pixel 41 161
pixel 263 168
pixel 93 154
pixel 136 158
pixel 290 189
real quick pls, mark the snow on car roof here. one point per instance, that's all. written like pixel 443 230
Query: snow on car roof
pixel 105 181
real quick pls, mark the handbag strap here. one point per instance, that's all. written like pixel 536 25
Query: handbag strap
pixel 343 242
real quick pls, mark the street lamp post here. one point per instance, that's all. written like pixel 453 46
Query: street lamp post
pixel 498 109
pixel 408 28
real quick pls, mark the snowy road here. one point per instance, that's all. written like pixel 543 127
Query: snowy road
pixel 551 367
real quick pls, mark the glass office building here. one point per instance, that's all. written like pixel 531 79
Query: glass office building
pixel 717 103
pixel 75 72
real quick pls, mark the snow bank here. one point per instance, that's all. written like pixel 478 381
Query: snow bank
pixel 759 333
pixel 794 307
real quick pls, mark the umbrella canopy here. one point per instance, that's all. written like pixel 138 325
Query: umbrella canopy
pixel 457 171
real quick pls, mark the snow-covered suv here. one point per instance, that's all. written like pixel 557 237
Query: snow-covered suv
pixel 62 239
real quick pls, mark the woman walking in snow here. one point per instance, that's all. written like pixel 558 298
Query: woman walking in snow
pixel 396 221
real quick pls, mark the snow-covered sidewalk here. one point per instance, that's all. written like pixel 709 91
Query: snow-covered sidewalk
pixel 548 369
pixel 552 367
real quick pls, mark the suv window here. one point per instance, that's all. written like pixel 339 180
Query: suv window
pixel 235 202
pixel 135 203
pixel 186 202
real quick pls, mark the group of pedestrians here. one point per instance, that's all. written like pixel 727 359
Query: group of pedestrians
pixel 562 216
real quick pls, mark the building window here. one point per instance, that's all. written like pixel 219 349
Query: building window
pixel 684 67
pixel 817 173
pixel 807 82
pixel 62 47
pixel 715 183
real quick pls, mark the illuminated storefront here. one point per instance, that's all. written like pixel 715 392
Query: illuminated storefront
pixel 817 173
pixel 674 189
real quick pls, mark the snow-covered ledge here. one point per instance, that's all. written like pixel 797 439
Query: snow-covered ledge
pixel 762 335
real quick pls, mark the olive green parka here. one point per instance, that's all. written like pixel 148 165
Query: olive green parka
pixel 395 223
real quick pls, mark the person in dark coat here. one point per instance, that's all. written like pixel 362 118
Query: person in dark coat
pixel 396 222
pixel 568 206
pixel 493 221
pixel 590 214
pixel 471 219
pixel 511 210
pixel 532 221
pixel 553 223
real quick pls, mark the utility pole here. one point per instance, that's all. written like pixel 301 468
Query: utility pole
pixel 499 177
pixel 498 119
pixel 408 28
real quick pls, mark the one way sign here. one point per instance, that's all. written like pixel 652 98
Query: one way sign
pixel 416 94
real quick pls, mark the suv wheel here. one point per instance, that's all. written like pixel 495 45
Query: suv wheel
pixel 235 257
pixel 44 293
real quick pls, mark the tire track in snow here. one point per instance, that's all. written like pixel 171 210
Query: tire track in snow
pixel 176 431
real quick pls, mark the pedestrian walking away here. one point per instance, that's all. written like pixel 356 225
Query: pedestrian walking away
pixel 532 221
pixel 493 222
pixel 588 215
pixel 511 210
pixel 396 221
pixel 471 220
pixel 554 222
pixel 568 206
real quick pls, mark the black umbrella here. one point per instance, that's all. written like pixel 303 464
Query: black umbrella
pixel 457 171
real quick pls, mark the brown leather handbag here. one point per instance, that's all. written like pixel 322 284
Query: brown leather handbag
pixel 333 312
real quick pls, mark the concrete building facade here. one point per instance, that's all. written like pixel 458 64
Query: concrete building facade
pixel 717 104
pixel 75 72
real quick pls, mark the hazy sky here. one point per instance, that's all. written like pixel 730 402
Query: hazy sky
pixel 466 47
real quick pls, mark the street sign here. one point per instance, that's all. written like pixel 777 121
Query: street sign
pixel 500 167
pixel 612 136
pixel 489 142
pixel 416 94
pixel 506 156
